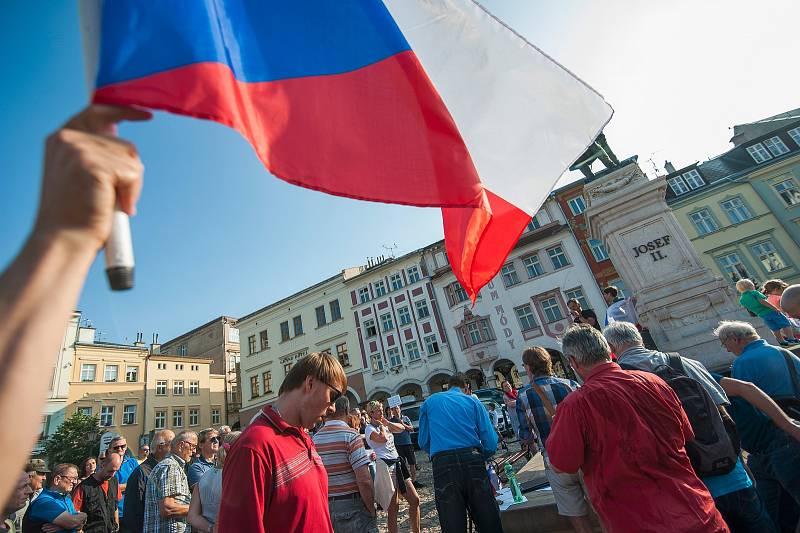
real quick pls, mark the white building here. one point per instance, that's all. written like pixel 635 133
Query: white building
pixel 524 305
pixel 399 328
pixel 315 319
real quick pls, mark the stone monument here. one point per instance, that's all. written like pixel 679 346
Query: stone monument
pixel 677 298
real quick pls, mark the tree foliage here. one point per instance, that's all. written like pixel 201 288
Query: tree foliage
pixel 77 438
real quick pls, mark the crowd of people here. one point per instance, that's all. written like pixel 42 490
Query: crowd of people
pixel 652 443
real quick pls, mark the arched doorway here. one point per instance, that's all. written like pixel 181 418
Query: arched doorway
pixel 410 389
pixel 475 378
pixel 505 369
pixel 438 383
pixel 561 366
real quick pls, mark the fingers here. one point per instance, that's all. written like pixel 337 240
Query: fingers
pixel 104 118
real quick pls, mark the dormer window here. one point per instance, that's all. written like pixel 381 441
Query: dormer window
pixel 759 153
pixel 686 182
pixel 794 133
pixel 775 146
pixel 693 179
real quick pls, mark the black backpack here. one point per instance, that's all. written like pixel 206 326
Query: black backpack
pixel 713 451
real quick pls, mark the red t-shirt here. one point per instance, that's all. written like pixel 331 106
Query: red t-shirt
pixel 274 481
pixel 627 432
pixel 77 494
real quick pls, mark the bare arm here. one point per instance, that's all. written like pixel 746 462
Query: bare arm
pixel 169 507
pixel 85 172
pixel 767 303
pixel 378 436
pixel 67 520
pixel 394 427
pixel 761 401
pixel 195 515
pixel 366 488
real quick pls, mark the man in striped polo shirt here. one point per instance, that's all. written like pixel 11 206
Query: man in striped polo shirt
pixel 350 491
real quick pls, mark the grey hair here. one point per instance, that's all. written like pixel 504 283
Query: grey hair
pixel 735 329
pixel 183 436
pixel 622 334
pixel 586 345
pixel 116 438
pixel 160 437
pixel 341 406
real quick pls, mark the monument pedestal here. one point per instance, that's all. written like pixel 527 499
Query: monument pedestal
pixel 677 298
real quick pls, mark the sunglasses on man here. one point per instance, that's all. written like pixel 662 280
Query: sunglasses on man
pixel 336 394
pixel 120 447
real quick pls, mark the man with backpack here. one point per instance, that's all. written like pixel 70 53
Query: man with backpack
pixel 714 452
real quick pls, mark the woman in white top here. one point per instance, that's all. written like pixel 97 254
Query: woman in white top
pixel 379 436
pixel 207 492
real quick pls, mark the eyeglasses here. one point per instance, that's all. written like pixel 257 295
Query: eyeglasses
pixel 120 447
pixel 336 392
pixel 192 445
pixel 71 479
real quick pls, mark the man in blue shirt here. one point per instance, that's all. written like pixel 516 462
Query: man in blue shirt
pixel 455 431
pixel 209 446
pixel 757 361
pixel 733 493
pixel 54 506
pixel 119 445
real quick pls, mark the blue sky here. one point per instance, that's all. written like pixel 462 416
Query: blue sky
pixel 216 234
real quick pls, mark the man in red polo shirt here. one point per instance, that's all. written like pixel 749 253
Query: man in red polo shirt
pixel 627 432
pixel 273 479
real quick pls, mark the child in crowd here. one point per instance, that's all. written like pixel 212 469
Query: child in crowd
pixel 774 290
pixel 758 304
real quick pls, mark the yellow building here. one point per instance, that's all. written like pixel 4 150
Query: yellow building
pixel 134 390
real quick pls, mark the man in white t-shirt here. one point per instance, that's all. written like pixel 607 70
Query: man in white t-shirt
pixel 379 437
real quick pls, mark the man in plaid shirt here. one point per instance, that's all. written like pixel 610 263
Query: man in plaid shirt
pixel 535 410
pixel 168 496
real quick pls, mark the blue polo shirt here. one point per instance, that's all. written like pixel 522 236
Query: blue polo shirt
pixel 197 469
pixel 451 420
pixel 765 366
pixel 128 466
pixel 48 506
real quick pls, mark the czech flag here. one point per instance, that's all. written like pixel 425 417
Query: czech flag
pixel 416 102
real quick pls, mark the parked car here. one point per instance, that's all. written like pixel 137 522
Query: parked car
pixel 496 396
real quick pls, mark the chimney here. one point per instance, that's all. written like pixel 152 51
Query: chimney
pixel 669 167
pixel 155 347
pixel 139 340
pixel 86 335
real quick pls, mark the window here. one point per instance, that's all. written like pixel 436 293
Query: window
pixel 287 367
pixel 161 387
pixel 394 357
pixel 215 415
pixel 182 349
pixel 403 316
pixel 251 344
pixel 321 320
pixel 266 378
pixel 431 344
pixel 703 222
pixel 284 331
pixel 509 275
pixel 128 415
pixel 87 411
pixel 422 309
pixel 87 372
pixel 557 257
pixel 396 281
pixel 110 374
pixel 161 419
pixel 552 311
pixel 162 366
pixel 297 322
pixel 534 223
pixel 787 190
pixel 264 338
pixel 363 294
pixel 341 353
pixel 533 266
pixel 775 146
pixel 598 250
pixel 377 362
pixel 194 416
pixel 386 322
pixel 413 351
pixel 794 133
pixel 369 328
pixel 177 418
pixel 413 274
pixel 456 293
pixel 693 179
pixel 195 368
pixel 525 316
pixel 132 374
pixel 336 313
pixel 577 294
pixel 178 367
pixel 233 335
pixel 732 265
pixel 758 153
pixel 380 288
pixel 194 387
pixel 769 257
pixel 177 387
pixel 736 210
pixel 107 415
pixel 577 205
pixel 678 186
pixel 254 393
pixel 474 333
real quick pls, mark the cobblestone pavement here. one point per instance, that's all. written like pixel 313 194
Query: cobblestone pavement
pixel 429 518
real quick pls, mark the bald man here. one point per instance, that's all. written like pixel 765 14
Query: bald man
pixel 98 494
pixel 790 301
